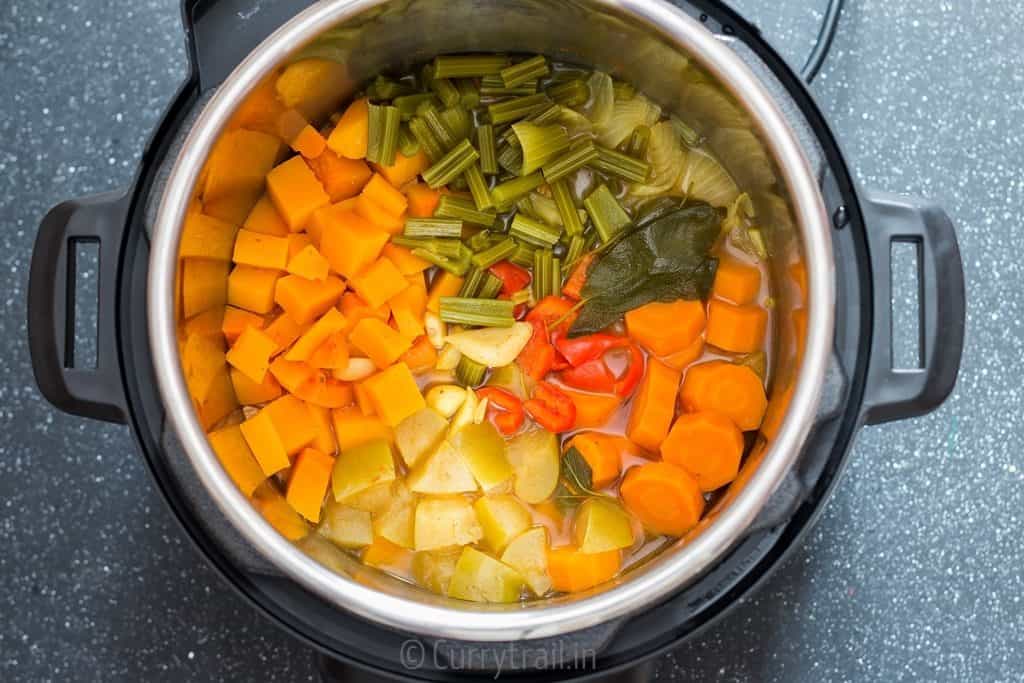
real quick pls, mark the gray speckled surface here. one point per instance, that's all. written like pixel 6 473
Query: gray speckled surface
pixel 912 573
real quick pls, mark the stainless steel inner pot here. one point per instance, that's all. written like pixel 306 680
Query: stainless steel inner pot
pixel 649 43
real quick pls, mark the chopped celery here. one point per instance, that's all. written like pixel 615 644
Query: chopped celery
pixel 471 66
pixel 482 241
pixel 490 288
pixel 540 144
pixel 621 165
pixel 408 104
pixel 493 86
pixel 556 276
pixel 384 125
pixel 534 232
pixel 428 143
pixel 520 73
pixel 519 108
pixel 478 187
pixel 383 88
pixel 458 121
pixel 464 209
pixel 472 283
pixel 499 252
pixel 543 263
pixel 433 227
pixel 456 266
pixel 446 91
pixel 607 214
pixel 408 145
pixel 488 149
pixel 439 127
pixel 566 203
pixel 477 312
pixel 571 93
pixel 523 256
pixel 445 248
pixel 451 165
pixel 576 158
pixel 691 137
pixel 506 194
pixel 470 373
pixel 469 96
pixel 510 158
pixel 575 250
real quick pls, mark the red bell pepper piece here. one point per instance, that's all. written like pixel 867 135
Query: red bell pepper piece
pixel 594 375
pixel 574 285
pixel 504 409
pixel 628 380
pixel 552 309
pixel 591 347
pixel 538 356
pixel 513 278
pixel 551 408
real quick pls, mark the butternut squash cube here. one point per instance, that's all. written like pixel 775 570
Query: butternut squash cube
pixel 324 440
pixel 297 241
pixel 350 243
pixel 206 237
pixel 252 288
pixel 278 513
pixel 204 285
pixel 235 321
pixel 265 443
pixel 309 263
pixel 296 192
pixel 219 402
pixel 284 331
pixel 378 216
pixel 404 259
pixel 305 300
pixel 265 219
pixel 308 482
pixel 293 422
pixel 409 325
pixel 251 354
pixel 444 284
pixel 342 178
pixel 251 393
pixel 352 428
pixel 237 172
pixel 332 321
pixel 381 343
pixel 383 194
pixel 313 86
pixel 208 323
pixel 379 283
pixel 332 354
pixel 291 374
pixel 394 394
pixel 237 459
pixel 202 359
pixel 261 251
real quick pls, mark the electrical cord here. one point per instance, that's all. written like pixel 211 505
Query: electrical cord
pixel 823 44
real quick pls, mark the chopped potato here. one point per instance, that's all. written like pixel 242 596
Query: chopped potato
pixel 419 434
pixel 442 472
pixel 395 522
pixel 483 449
pixel 433 569
pixel 443 522
pixel 528 555
pixel 502 518
pixel 536 461
pixel 359 468
pixel 346 526
pixel 602 525
pixel 481 578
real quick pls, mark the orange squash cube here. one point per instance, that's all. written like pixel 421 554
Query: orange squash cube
pixel 298 241
pixel 383 194
pixel 253 288
pixel 363 399
pixel 278 513
pixel 380 342
pixel 235 321
pixel 322 389
pixel 265 443
pixel 314 86
pixel 291 374
pixel 305 300
pixel 342 178
pixel 324 441
pixel 412 299
pixel 260 251
pixel 351 135
pixel 353 429
pixel 350 243
pixel 219 402
pixel 251 393
pixel 251 354
pixel 378 216
pixel 206 237
pixel 293 422
pixel 379 283
pixel 284 331
pixel 309 263
pixel 404 169
pixel 237 459
pixel 296 192
pixel 207 323
pixel 444 284
pixel 404 259
pixel 236 173
pixel 332 354
pixel 308 482
pixel 204 285
pixel 202 359
pixel 394 394
pixel 408 324
pixel 331 322
pixel 265 219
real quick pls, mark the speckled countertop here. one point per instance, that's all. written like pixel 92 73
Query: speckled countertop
pixel 914 571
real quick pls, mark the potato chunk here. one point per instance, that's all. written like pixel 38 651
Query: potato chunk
pixel 502 517
pixel 528 555
pixel 481 578
pixel 443 522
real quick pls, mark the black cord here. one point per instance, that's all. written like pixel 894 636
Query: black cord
pixel 826 35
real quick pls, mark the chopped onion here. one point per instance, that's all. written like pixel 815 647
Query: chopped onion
pixel 627 116
pixel 602 99
pixel 667 157
pixel 707 180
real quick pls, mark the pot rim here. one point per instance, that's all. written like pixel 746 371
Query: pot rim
pixel 680 565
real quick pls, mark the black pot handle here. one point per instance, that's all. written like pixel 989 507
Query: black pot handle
pixel 896 394
pixel 96 392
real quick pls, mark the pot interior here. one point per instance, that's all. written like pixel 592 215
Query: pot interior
pixel 389 37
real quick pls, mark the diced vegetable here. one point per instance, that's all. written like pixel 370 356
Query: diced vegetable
pixel 394 394
pixel 707 445
pixel 573 571
pixel 481 578
pixel 733 390
pixel 305 300
pixel 442 472
pixel 484 451
pixel 535 460
pixel 351 136
pixel 346 526
pixel 357 469
pixel 737 282
pixel 395 523
pixel 237 458
pixel 502 518
pixel 603 454
pixel 664 497
pixel 442 522
pixel 528 555
pixel 419 434
pixel 383 344
pixel 601 525
pixel 307 483
pixel 265 443
pixel 653 407
pixel 434 569
pixel 740 329
pixel 665 328
pixel 607 214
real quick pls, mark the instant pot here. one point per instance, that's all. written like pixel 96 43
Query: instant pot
pixel 832 376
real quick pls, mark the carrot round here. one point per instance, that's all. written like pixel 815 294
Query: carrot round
pixel 664 497
pixel 654 406
pixel 665 328
pixel 733 390
pixel 602 454
pixel 707 445
pixel 738 282
pixel 352 134
pixel 740 329
pixel 572 571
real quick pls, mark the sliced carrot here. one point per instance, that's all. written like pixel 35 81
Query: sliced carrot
pixel 421 357
pixel 352 133
pixel 351 243
pixel 574 285
pixel 404 169
pixel 378 216
pixel 707 445
pixel 665 328
pixel 654 406
pixel 296 192
pixel 404 259
pixel 236 321
pixel 308 482
pixel 573 571
pixel 423 201
pixel 383 194
pixel 593 410
pixel 342 178
pixel 680 360
pixel 797 272
pixel 734 390
pixel 740 329
pixel 381 343
pixel 603 456
pixel 737 282
pixel 305 300
pixel 664 497
pixel 379 282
